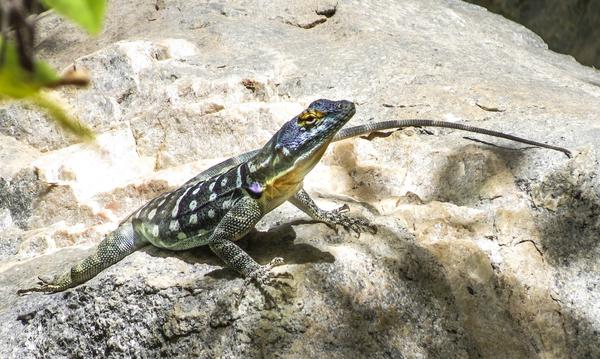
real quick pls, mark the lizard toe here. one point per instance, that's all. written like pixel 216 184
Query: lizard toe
pixel 358 225
pixel 42 287
pixel 49 285
pixel 342 209
pixel 264 275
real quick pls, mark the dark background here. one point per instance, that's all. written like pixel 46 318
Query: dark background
pixel 567 26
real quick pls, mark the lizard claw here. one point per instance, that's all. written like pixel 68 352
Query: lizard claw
pixel 42 287
pixel 359 225
pixel 263 274
pixel 48 286
pixel 342 209
pixel 44 281
pixel 356 225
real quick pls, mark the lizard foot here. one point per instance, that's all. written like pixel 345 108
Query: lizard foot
pixel 43 285
pixel 264 276
pixel 356 225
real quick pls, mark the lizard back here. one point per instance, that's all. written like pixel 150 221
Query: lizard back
pixel 185 218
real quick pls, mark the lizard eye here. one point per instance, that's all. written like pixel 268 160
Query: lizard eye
pixel 309 117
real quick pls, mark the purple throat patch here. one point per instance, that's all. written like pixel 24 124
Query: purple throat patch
pixel 255 188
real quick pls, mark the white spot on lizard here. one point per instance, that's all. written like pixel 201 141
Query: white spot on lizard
pixel 174 225
pixel 238 180
pixel 154 230
pixel 176 206
pixel 151 214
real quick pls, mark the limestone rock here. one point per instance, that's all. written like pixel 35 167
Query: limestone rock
pixel 19 194
pixel 482 250
pixel 113 157
pixel 15 156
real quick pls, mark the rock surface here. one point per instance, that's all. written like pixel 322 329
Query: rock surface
pixel 482 251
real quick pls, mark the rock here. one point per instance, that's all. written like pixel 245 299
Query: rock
pixel 26 123
pixel 15 156
pixel 326 8
pixel 5 219
pixel 113 156
pixel 488 251
pixel 19 193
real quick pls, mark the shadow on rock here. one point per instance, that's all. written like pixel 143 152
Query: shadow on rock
pixel 468 170
pixel 383 298
pixel 569 216
pixel 583 335
pixel 376 301
pixel 261 246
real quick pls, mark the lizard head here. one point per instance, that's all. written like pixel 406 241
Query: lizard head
pixel 301 142
pixel 313 128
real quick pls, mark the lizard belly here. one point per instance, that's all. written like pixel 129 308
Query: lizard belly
pixel 179 244
pixel 171 240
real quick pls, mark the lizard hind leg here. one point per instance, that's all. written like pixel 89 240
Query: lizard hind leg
pixel 114 247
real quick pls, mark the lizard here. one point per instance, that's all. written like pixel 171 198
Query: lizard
pixel 224 203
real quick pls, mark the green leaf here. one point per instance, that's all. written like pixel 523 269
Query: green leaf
pixel 87 13
pixel 17 82
pixel 62 117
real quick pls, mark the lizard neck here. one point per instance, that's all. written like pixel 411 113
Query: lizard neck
pixel 278 182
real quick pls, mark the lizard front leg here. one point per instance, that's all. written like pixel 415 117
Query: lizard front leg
pixel 332 218
pixel 116 246
pixel 233 226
